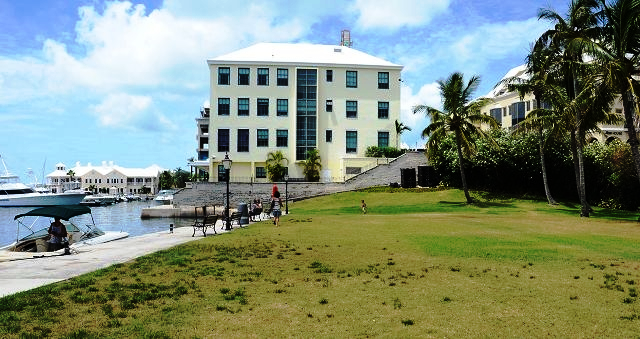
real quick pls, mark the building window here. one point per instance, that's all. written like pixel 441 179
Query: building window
pixel 243 76
pixel 223 106
pixel 352 141
pixel 243 106
pixel 263 107
pixel 282 107
pixel 528 105
pixel 383 80
pixel 517 111
pixel 223 140
pixel 243 140
pixel 263 77
pixel 263 138
pixel 329 106
pixel 352 79
pixel 383 110
pixel 261 172
pixel 352 109
pixel 328 135
pixel 496 113
pixel 282 138
pixel 283 77
pixel 223 75
pixel 306 111
pixel 329 75
pixel 383 139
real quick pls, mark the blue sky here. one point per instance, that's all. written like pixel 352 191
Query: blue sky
pixel 93 81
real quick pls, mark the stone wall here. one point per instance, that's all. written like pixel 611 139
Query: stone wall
pixel 214 193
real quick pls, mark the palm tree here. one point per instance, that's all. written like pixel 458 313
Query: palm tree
pixel 400 128
pixel 461 117
pixel 570 38
pixel 312 166
pixel 275 169
pixel 538 82
pixel 618 56
pixel 71 175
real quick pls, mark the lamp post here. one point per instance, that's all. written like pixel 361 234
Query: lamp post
pixel 226 162
pixel 286 193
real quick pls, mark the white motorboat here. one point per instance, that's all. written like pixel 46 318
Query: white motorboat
pixel 165 197
pixel 37 232
pixel 98 200
pixel 14 193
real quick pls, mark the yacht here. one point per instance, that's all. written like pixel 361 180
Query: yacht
pixel 14 193
pixel 165 197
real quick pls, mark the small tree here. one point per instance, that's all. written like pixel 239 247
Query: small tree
pixel 180 177
pixel 71 175
pixel 274 166
pixel 312 166
pixel 166 180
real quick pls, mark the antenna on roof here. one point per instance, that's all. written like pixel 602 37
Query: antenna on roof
pixel 346 38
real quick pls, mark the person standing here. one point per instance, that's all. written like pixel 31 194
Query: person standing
pixel 274 189
pixel 363 206
pixel 276 208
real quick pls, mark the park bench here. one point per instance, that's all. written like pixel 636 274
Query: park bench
pixel 266 205
pixel 257 212
pixel 206 222
pixel 235 216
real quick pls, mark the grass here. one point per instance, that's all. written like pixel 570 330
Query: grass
pixel 419 264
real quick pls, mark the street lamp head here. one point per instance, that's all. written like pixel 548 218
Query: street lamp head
pixel 226 162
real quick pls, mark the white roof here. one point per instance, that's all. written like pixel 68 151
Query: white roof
pixel 501 88
pixel 301 54
pixel 105 169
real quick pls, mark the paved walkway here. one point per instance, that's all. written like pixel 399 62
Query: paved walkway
pixel 24 271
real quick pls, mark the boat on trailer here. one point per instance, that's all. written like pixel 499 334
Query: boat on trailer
pixel 37 230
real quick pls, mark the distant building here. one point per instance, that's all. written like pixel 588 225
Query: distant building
pixel 296 97
pixel 200 165
pixel 509 109
pixel 107 177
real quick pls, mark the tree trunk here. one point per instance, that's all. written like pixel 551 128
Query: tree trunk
pixel 464 178
pixel 547 190
pixel 582 192
pixel 629 114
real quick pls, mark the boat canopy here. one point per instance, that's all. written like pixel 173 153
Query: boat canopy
pixel 64 212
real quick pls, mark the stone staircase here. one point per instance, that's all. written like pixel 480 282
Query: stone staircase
pixel 214 193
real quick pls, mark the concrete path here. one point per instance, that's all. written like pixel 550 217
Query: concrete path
pixel 24 271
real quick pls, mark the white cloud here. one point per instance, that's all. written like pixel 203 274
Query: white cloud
pixel 395 14
pixel 496 41
pixel 428 94
pixel 122 110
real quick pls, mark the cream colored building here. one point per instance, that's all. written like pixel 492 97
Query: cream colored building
pixel 107 177
pixel 509 109
pixel 296 97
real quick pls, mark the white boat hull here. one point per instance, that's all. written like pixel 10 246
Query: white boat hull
pixel 40 199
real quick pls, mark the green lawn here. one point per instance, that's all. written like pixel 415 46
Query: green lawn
pixel 419 264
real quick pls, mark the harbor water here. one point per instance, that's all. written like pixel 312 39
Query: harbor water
pixel 123 216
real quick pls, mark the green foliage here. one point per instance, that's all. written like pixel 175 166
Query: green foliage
pixel 515 168
pixel 312 166
pixel 166 180
pixel 383 152
pixel 180 177
pixel 275 169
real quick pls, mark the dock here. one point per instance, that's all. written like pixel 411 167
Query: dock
pixel 25 271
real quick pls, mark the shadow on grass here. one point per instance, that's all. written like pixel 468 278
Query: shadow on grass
pixel 476 203
pixel 569 208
